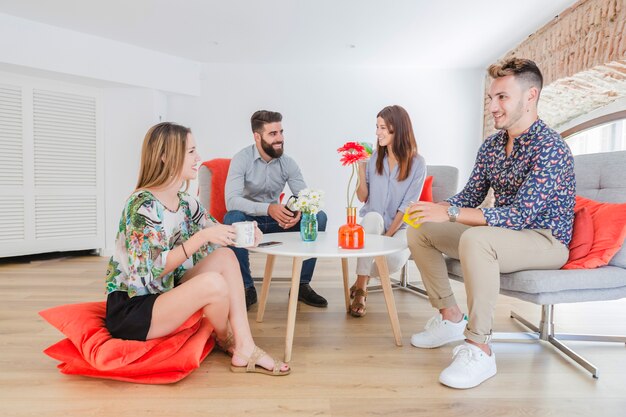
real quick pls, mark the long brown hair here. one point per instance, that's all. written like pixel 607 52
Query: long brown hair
pixel 162 155
pixel 404 146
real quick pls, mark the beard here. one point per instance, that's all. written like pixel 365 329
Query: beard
pixel 512 118
pixel 269 149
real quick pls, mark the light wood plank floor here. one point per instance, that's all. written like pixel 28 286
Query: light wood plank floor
pixel 342 366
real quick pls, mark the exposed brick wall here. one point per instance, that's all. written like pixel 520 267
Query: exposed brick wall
pixel 582 55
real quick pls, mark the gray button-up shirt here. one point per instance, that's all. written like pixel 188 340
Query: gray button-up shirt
pixel 386 195
pixel 253 184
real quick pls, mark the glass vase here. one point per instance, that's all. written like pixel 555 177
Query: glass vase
pixel 351 234
pixel 308 227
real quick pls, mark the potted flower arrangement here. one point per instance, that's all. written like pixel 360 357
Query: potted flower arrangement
pixel 351 234
pixel 309 203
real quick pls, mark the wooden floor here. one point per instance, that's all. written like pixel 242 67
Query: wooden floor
pixel 341 366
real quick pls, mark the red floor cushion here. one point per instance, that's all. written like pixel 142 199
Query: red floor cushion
pixel 90 350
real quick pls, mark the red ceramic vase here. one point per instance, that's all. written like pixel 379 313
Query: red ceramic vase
pixel 351 234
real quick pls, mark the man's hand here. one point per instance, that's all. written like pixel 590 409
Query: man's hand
pixel 282 215
pixel 422 212
pixel 294 220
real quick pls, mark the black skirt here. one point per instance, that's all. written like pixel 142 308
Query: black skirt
pixel 129 317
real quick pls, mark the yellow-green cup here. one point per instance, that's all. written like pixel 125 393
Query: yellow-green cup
pixel 407 219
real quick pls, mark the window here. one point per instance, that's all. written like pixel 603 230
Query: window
pixel 604 134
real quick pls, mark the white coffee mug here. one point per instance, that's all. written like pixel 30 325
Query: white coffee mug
pixel 245 234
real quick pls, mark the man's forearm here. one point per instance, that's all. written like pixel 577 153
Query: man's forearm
pixel 249 207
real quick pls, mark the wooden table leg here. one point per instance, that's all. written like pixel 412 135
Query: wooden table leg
pixel 344 269
pixel 293 305
pixel 265 289
pixel 385 282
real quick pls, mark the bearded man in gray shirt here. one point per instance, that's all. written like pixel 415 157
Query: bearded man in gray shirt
pixel 256 178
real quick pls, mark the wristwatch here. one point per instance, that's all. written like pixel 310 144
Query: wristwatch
pixel 453 213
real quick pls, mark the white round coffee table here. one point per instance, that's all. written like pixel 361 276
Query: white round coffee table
pixel 326 247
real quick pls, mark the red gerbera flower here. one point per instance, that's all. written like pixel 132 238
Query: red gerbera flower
pixel 352 152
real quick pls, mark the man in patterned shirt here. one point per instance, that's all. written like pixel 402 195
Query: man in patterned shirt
pixel 531 171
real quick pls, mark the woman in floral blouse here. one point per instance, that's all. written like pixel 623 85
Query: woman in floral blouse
pixel 170 258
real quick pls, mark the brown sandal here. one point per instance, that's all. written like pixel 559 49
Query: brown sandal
pixel 227 345
pixel 252 366
pixel 352 291
pixel 357 305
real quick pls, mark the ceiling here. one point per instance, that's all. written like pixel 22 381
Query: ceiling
pixel 416 33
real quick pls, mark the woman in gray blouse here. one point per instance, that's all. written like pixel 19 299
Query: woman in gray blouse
pixel 388 182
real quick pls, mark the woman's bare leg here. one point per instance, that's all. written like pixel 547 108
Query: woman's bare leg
pixel 224 262
pixel 207 291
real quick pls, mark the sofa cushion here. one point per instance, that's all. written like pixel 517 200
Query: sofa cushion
pixel 609 226
pixel 219 172
pixel 582 235
pixel 619 259
pixel 538 281
pixel 427 189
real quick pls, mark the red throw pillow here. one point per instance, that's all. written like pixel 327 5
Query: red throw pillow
pixel 91 351
pixel 609 232
pixel 582 235
pixel 427 189
pixel 219 172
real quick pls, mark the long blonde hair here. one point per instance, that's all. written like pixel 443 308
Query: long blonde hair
pixel 162 155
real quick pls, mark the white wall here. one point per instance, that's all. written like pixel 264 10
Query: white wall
pixel 325 106
pixel 128 113
pixel 131 79
pixel 35 45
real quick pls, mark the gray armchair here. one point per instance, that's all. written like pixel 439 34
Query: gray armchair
pixel 600 177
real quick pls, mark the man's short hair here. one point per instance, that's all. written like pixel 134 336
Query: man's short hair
pixel 262 117
pixel 523 70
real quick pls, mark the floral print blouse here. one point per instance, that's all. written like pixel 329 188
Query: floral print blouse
pixel 534 187
pixel 147 232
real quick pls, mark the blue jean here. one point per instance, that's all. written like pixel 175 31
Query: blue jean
pixel 268 225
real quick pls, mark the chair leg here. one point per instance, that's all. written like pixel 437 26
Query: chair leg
pixel 574 356
pixel 403 284
pixel 545 332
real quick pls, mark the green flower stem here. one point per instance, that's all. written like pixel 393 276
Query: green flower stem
pixel 351 200
pixel 348 189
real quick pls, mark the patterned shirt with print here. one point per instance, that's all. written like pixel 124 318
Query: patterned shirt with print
pixel 534 188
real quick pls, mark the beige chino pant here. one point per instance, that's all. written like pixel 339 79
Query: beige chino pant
pixel 484 252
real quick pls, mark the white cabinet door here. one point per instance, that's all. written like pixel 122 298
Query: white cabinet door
pixel 51 165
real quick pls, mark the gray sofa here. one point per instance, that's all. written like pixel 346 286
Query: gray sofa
pixel 600 177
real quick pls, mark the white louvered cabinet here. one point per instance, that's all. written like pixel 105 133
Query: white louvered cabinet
pixel 51 167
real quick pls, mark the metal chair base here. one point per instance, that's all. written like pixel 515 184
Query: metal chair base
pixel 545 332
pixel 402 284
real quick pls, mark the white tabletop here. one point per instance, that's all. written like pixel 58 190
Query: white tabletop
pixel 326 246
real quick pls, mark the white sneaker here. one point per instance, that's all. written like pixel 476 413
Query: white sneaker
pixel 469 368
pixel 438 332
